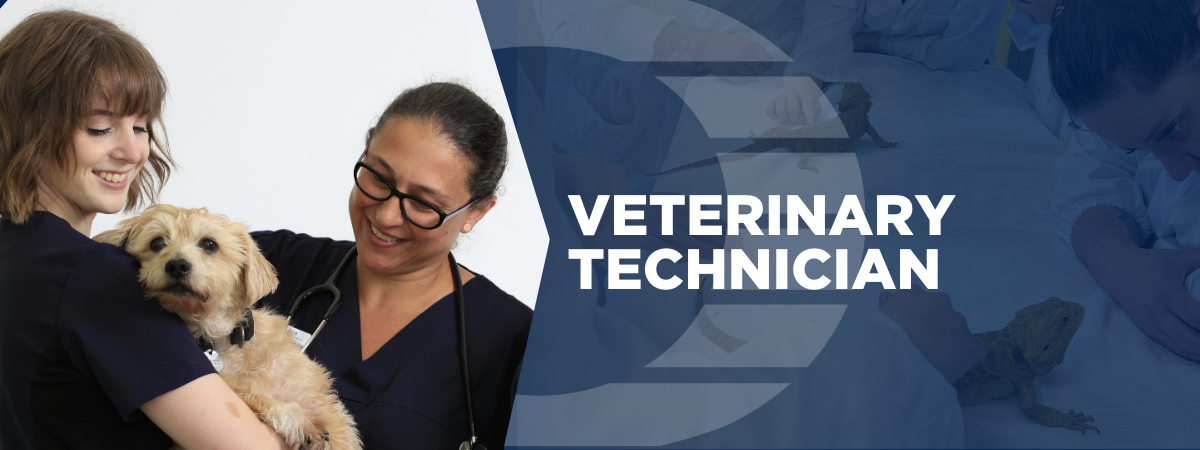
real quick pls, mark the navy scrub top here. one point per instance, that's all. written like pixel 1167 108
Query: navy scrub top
pixel 81 348
pixel 409 394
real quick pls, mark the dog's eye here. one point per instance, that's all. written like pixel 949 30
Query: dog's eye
pixel 209 245
pixel 158 244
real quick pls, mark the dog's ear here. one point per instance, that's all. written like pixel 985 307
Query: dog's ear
pixel 258 276
pixel 119 236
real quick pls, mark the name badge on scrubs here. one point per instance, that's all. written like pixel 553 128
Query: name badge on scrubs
pixel 299 336
pixel 214 358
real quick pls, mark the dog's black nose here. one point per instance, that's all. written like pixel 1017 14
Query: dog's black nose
pixel 178 268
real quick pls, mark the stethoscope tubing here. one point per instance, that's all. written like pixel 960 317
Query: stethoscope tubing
pixel 330 287
pixel 461 323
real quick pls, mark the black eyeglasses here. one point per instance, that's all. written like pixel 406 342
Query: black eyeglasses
pixel 418 212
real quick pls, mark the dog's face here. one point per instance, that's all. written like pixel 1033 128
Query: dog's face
pixel 195 263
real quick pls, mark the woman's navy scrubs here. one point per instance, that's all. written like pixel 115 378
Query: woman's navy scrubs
pixel 81 348
pixel 409 394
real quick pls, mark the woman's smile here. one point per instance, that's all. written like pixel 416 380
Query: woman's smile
pixel 113 179
pixel 383 240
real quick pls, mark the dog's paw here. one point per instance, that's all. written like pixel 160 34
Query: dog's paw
pixel 316 443
pixel 323 441
pixel 341 434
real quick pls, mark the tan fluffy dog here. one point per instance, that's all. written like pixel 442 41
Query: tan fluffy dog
pixel 207 269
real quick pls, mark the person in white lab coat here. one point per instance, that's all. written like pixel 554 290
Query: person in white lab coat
pixel 1029 27
pixel 1126 195
pixel 951 35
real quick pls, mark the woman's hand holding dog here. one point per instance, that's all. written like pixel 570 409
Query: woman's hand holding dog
pixel 228 423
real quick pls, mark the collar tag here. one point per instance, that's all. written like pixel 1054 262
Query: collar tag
pixel 214 358
pixel 300 337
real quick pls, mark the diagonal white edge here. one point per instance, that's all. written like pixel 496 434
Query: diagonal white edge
pixel 566 25
pixel 633 414
pixel 754 336
pixel 738 111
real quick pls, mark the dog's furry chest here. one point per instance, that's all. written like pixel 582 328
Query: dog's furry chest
pixel 208 270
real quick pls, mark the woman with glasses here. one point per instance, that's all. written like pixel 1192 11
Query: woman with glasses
pixel 429 172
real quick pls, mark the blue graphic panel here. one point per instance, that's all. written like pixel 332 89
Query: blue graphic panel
pixel 777 224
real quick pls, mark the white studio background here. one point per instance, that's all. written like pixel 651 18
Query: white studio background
pixel 270 102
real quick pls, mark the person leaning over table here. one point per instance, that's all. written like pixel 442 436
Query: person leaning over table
pixel 430 171
pixel 1126 196
pixel 85 360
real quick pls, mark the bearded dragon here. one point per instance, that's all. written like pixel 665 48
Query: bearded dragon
pixel 1032 344
pixel 852 114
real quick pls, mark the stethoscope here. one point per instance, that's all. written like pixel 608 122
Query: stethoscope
pixel 329 287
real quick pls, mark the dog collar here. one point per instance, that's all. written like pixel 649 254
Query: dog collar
pixel 238 336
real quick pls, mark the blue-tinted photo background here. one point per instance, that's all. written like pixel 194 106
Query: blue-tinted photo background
pixel 597 109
